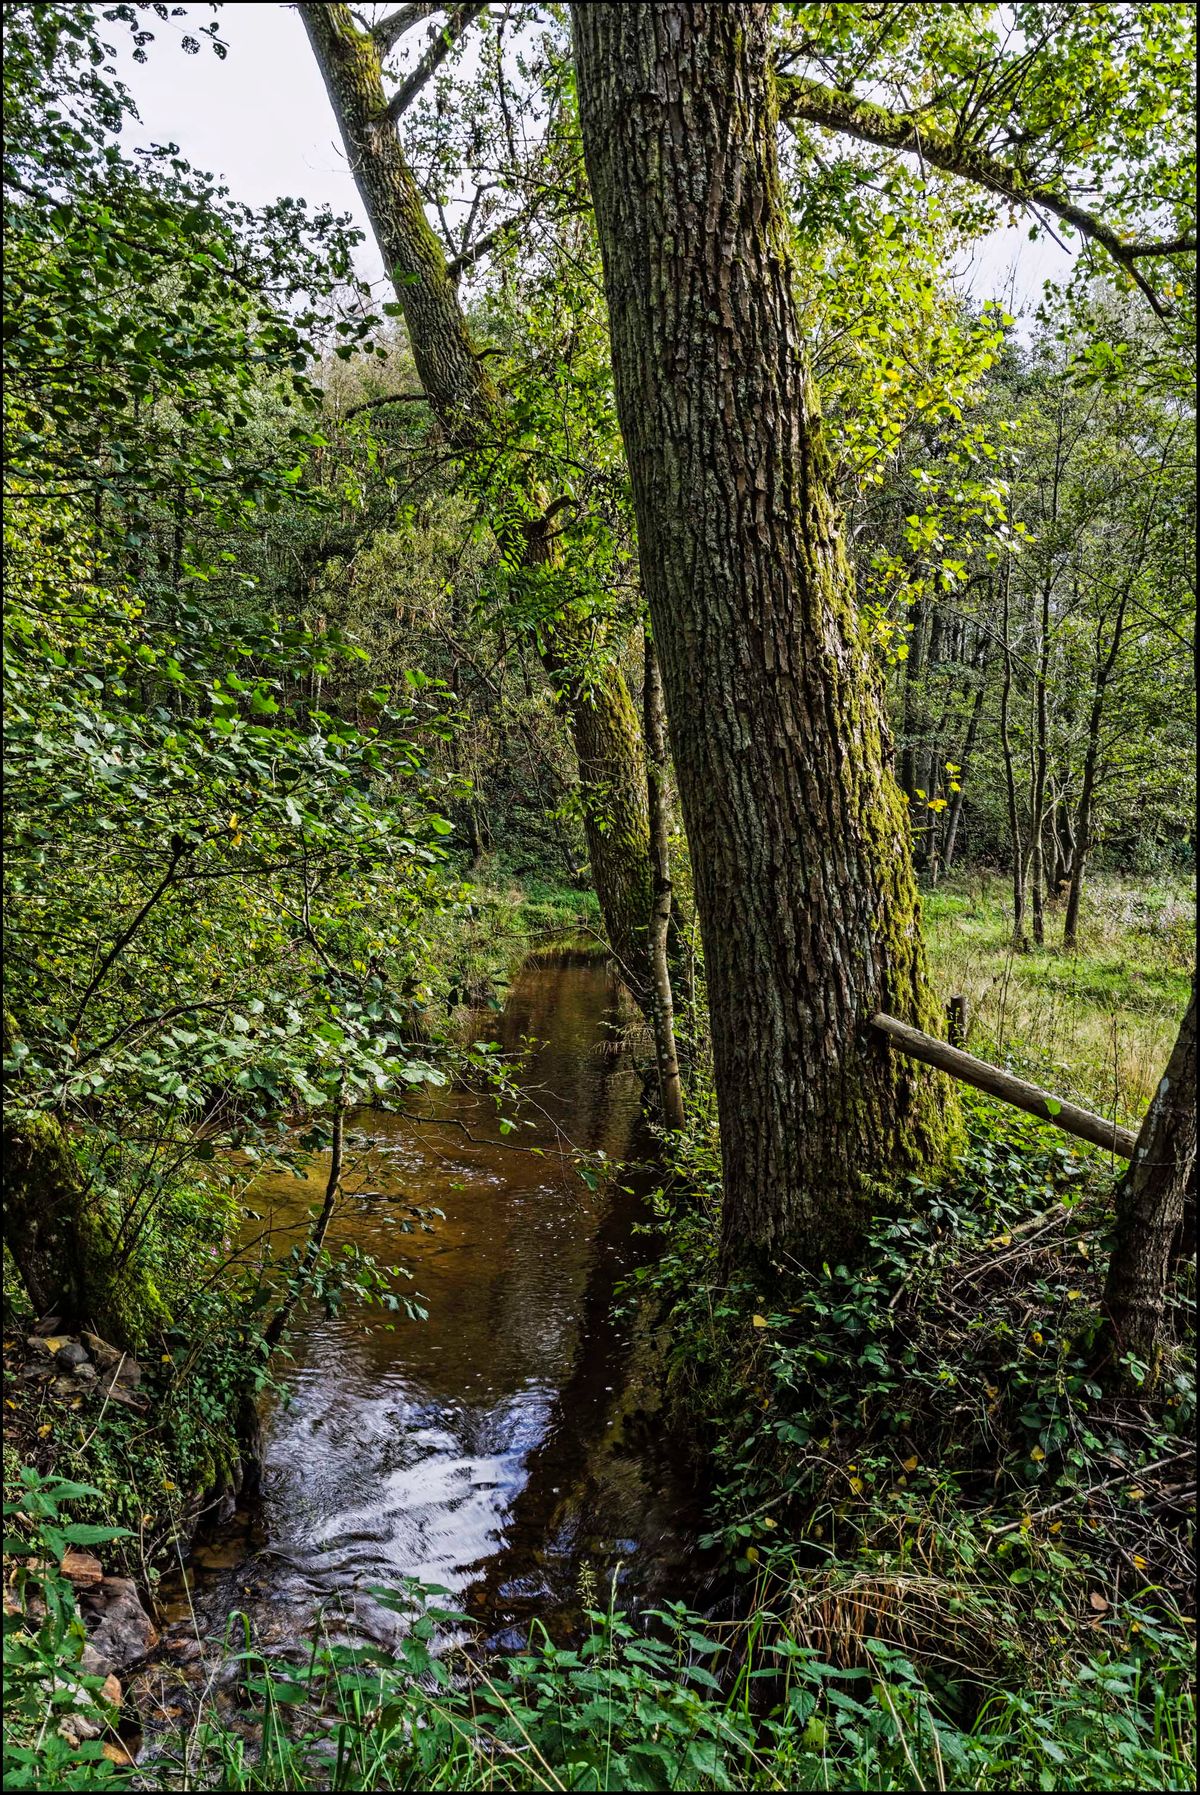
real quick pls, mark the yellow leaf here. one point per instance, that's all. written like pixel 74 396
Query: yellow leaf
pixel 1056 1527
pixel 1139 1561
pixel 43 1431
pixel 1073 1296
pixel 768 1522
pixel 1037 1455
pixel 1002 1240
pixel 991 1390
pixel 234 820
pixel 758 1321
pixel 910 1464
pixel 1135 1495
pixel 1036 1337
pixel 856 1485
pixel 752 1554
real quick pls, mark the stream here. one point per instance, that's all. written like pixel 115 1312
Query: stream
pixel 507 1448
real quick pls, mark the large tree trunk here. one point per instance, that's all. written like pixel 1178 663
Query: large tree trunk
pixel 798 832
pixel 1151 1203
pixel 603 718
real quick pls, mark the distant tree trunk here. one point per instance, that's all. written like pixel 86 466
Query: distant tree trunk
pixel 1037 796
pixel 1010 779
pixel 1091 764
pixel 669 1083
pixel 798 833
pixel 914 670
pixel 1159 1185
pixel 603 719
pixel 968 748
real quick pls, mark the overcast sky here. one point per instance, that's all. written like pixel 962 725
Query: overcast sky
pixel 262 121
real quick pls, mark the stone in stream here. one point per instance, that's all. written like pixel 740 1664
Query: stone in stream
pixel 125 1631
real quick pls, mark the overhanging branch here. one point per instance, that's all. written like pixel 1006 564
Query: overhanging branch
pixel 819 105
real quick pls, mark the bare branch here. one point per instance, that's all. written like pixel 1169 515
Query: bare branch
pixel 460 18
pixel 390 30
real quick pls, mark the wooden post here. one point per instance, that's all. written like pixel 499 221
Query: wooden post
pixel 958 1019
pixel 1010 1089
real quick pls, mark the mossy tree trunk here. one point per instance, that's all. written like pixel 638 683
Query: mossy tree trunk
pixel 43 1204
pixel 798 832
pixel 1152 1203
pixel 603 718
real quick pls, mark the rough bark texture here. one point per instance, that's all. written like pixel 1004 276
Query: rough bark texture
pixel 798 833
pixel 603 718
pixel 1151 1202
pixel 670 1085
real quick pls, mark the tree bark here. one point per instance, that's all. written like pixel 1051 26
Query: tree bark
pixel 798 832
pixel 1160 1184
pixel 669 1083
pixel 469 407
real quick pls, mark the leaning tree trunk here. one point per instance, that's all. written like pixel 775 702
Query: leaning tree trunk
pixel 797 830
pixel 469 407
pixel 1157 1189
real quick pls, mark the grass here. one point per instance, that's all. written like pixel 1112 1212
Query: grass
pixel 1097 1024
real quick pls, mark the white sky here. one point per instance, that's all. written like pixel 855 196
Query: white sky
pixel 262 121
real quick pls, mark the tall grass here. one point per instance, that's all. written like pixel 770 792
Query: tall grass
pixel 1097 1024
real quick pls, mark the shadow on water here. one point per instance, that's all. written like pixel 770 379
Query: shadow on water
pixel 505 1448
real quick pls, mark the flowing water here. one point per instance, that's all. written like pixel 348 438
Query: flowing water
pixel 506 1447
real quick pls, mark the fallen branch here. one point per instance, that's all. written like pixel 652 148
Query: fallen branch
pixel 1005 1085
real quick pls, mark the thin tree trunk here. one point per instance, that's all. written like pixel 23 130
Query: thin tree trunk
pixel 1010 780
pixel 797 829
pixel 278 1325
pixel 1037 805
pixel 669 1083
pixel 1151 1201
pixel 968 749
pixel 469 407
pixel 1087 789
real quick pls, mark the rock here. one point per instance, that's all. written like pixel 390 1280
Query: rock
pixel 83 1569
pixel 93 1663
pixel 70 1355
pixel 75 1728
pixel 125 1631
pixel 129 1371
pixel 116 1753
pixel 86 1372
pixel 185 1651
pixel 106 1356
pixel 51 1343
pixel 111 1691
pixel 116 1392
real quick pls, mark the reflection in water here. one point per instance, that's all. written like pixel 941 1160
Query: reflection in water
pixel 488 1449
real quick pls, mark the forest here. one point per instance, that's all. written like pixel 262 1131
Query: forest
pixel 599 902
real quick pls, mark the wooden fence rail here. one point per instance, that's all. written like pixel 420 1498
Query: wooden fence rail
pixel 1006 1086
